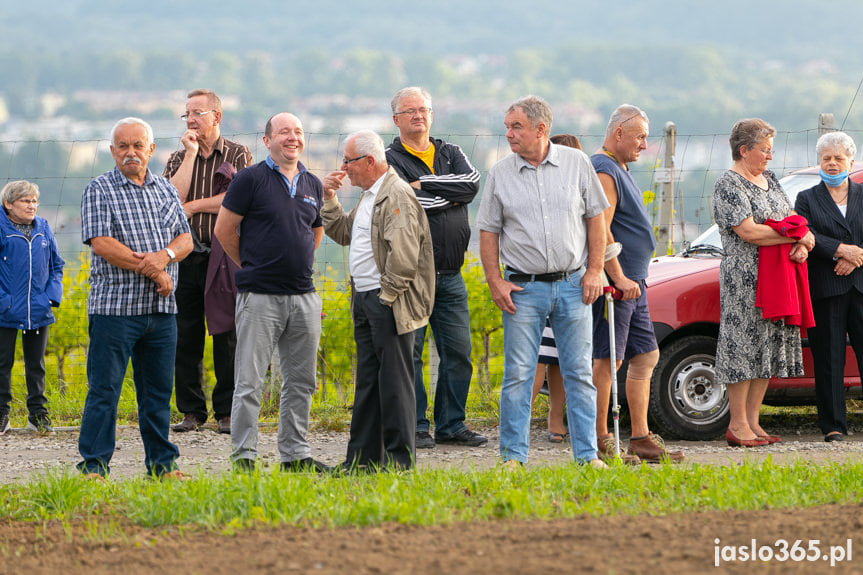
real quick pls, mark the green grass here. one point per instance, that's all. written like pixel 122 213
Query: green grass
pixel 330 409
pixel 228 502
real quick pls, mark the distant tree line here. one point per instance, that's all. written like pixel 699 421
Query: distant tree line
pixel 703 89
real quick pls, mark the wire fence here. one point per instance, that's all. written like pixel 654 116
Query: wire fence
pixel 62 169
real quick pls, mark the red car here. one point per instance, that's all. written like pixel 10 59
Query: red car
pixel 683 292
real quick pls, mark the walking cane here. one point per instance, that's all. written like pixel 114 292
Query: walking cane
pixel 612 251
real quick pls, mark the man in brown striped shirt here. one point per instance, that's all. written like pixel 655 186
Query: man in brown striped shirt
pixel 191 170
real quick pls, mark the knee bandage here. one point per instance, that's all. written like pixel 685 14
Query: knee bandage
pixel 641 366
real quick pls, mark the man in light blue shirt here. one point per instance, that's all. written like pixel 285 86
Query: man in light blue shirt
pixel 542 216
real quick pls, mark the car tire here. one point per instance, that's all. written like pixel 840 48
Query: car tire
pixel 685 401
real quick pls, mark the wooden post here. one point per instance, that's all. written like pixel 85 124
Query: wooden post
pixel 665 179
pixel 825 124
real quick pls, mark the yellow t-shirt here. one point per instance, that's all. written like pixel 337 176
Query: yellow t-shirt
pixel 427 156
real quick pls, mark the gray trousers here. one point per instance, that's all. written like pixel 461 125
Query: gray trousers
pixel 264 321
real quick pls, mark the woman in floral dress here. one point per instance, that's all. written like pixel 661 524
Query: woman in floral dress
pixel 751 349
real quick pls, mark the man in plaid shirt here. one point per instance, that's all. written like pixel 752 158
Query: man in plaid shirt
pixel 134 223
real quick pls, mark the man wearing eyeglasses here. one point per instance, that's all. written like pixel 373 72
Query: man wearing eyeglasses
pixel 270 225
pixel 392 289
pixel 625 139
pixel 196 171
pixel 444 182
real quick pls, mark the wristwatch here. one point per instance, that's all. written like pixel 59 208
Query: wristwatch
pixel 171 254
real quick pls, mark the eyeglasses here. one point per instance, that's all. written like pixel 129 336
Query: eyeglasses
pixel 346 161
pixel 34 203
pixel 767 152
pixel 414 111
pixel 185 116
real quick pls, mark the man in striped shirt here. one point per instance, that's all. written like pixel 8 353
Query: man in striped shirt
pixel 191 170
pixel 135 226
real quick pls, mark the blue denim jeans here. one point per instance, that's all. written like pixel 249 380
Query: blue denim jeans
pixel 450 326
pixel 572 322
pixel 151 342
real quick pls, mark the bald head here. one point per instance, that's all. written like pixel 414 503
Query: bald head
pixel 285 139
pixel 280 118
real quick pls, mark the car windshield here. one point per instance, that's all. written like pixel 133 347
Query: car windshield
pixel 708 238
pixel 796 183
pixel 710 241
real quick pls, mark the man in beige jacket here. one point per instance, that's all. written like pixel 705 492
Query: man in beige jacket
pixel 392 280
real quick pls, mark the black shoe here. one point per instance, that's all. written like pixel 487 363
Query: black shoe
pixel 424 440
pixel 190 423
pixel 834 437
pixel 464 437
pixel 305 465
pixel 40 423
pixel 4 422
pixel 243 465
pixel 351 468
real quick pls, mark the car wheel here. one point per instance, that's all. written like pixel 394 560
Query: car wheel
pixel 685 400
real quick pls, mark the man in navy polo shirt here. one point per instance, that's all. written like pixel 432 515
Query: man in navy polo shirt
pixel 275 207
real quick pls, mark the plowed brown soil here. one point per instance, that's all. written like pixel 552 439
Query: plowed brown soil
pixel 678 544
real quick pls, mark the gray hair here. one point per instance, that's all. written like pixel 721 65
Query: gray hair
pixel 836 141
pixel 622 115
pixel 535 108
pixel 212 99
pixel 368 143
pixel 410 91
pixel 133 120
pixel 14 191
pixel 749 133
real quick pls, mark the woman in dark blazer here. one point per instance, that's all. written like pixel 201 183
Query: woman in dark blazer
pixel 834 209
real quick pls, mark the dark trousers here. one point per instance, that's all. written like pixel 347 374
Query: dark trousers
pixel 150 341
pixel 834 318
pixel 450 325
pixel 33 342
pixel 191 330
pixel 383 422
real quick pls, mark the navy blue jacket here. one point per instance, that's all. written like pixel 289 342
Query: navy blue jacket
pixel 443 195
pixel 31 275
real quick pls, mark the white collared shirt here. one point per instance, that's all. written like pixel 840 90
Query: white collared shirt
pixel 364 269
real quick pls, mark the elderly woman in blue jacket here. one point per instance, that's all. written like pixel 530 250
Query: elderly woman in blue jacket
pixel 31 283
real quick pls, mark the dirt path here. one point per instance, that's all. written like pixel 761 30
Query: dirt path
pixel 677 544
pixel 23 454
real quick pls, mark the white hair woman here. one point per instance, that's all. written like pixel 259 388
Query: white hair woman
pixel 834 209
